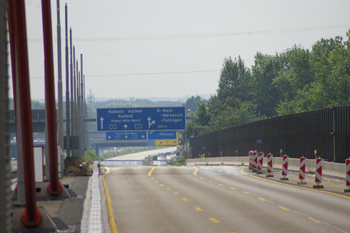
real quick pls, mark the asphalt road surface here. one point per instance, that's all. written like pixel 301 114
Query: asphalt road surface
pixel 219 199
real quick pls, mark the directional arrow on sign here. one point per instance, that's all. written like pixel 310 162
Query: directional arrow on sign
pixel 109 137
pixel 126 136
pixel 150 122
pixel 101 122
pixel 125 126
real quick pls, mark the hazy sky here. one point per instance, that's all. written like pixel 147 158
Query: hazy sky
pixel 174 48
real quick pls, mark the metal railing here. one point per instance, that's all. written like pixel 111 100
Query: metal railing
pixel 323 133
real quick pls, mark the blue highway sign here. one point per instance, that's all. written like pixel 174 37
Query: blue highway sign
pixel 151 142
pixel 125 119
pixel 162 134
pixel 129 135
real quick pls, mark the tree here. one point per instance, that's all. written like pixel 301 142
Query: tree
pixel 191 103
pixel 234 83
pixel 330 61
pixel 295 73
pixel 264 72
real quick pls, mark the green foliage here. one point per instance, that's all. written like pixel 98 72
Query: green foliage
pixel 294 81
pixel 90 155
pixel 191 103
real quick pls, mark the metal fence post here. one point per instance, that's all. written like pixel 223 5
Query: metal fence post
pixel 4 126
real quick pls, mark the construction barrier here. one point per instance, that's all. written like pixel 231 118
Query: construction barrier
pixel 260 162
pixel 251 153
pixel 318 173
pixel 284 167
pixel 269 165
pixel 347 164
pixel 255 161
pixel 302 170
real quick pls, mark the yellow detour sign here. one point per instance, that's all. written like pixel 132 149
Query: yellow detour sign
pixel 160 142
pixel 166 142
pixel 173 142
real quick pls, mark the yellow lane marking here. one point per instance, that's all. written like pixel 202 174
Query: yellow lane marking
pixel 221 185
pixel 175 193
pixel 195 171
pixel 168 188
pixel 156 181
pixel 214 220
pixel 111 221
pixel 152 178
pixel 150 172
pixel 246 192
pixel 261 199
pixel 284 208
pixel 184 199
pixel 301 187
pixel 232 188
pixel 202 178
pixel 161 184
pixel 210 181
pixel 107 171
pixel 316 221
pixel 197 208
pixel 243 171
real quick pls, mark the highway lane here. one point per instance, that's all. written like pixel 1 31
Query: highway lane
pixel 218 199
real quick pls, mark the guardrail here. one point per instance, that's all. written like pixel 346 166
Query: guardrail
pixel 329 168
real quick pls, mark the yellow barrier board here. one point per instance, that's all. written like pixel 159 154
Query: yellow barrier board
pixel 173 142
pixel 160 142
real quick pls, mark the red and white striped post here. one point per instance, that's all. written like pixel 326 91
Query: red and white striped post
pixel 302 171
pixel 347 164
pixel 284 167
pixel 260 162
pixel 318 174
pixel 269 165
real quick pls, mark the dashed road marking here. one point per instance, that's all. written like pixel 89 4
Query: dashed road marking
pixel 184 199
pixel 150 172
pixel 316 221
pixel 197 208
pixel 284 208
pixel 261 199
pixel 214 220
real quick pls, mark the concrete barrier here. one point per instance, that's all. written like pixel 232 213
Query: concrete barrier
pixel 329 168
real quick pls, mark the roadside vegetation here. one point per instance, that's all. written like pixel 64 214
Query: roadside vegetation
pixel 294 81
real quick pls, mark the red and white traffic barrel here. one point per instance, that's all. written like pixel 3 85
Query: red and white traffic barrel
pixel 318 173
pixel 284 167
pixel 260 162
pixel 347 164
pixel 269 165
pixel 302 170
